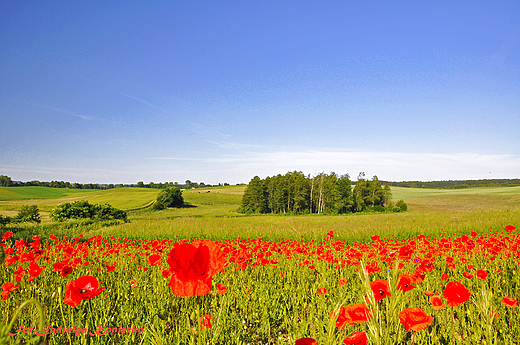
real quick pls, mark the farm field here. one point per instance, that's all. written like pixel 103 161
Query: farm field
pixel 268 279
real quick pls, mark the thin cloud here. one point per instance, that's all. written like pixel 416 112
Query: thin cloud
pixel 142 101
pixel 83 117
pixel 393 166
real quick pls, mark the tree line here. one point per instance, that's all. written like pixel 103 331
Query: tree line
pixel 6 181
pixel 323 193
pixel 456 184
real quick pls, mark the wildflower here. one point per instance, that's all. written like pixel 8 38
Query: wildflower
pixel 405 252
pixel 510 302
pixel 405 283
pixel 414 319
pixel 322 291
pixel 154 260
pixel 358 338
pixel 7 287
pixel 510 228
pixel 467 275
pixel 34 271
pixel 221 289
pixel 205 321
pixel 456 293
pixel 194 266
pixel 342 282
pixel 380 288
pixel 445 277
pixel 306 341
pixel 7 235
pixel 436 302
pixel 352 315
pixel 481 274
pixel 85 287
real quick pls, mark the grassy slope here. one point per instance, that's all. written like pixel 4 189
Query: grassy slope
pixel 33 192
pixel 213 215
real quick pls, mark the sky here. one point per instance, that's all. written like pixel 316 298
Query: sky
pixel 222 91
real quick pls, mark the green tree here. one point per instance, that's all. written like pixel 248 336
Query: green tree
pixel 5 181
pixel 28 213
pixel 254 198
pixel 169 197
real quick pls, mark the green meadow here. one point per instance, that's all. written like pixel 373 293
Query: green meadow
pixel 212 213
pixel 264 302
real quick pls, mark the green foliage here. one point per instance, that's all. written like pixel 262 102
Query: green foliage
pixel 84 210
pixel 169 197
pixel 5 181
pixel 298 194
pixel 4 220
pixel 369 194
pixel 402 205
pixel 28 213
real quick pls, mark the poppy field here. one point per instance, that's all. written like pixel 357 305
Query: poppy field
pixel 449 289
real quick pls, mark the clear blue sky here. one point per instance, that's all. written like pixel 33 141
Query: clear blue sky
pixel 221 91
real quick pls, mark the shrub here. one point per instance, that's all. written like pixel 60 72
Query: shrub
pixel 4 220
pixel 86 210
pixel 169 197
pixel 402 205
pixel 28 213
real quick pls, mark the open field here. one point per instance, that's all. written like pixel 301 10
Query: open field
pixel 212 214
pixel 279 278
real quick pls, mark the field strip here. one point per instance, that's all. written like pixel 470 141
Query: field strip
pixel 45 201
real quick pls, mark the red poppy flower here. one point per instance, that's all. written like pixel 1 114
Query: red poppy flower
pixel 405 283
pixel 405 252
pixel 380 288
pixel 510 228
pixel 481 274
pixel 358 338
pixel 414 319
pixel 306 341
pixel 456 294
pixel 467 275
pixel 154 260
pixel 221 289
pixel 342 282
pixel 34 271
pixel 205 321
pixel 445 277
pixel 352 315
pixel 510 302
pixel 65 271
pixel 7 235
pixel 7 287
pixel 85 287
pixel 436 302
pixel 322 291
pixel 194 266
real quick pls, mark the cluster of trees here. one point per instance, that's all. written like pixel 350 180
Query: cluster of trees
pixel 457 184
pixel 82 209
pixel 324 193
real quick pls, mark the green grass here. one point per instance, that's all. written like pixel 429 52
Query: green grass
pixel 34 192
pixel 213 215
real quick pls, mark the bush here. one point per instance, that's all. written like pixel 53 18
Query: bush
pixel 4 220
pixel 169 197
pixel 86 210
pixel 402 205
pixel 28 213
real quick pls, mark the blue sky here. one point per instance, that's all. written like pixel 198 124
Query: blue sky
pixel 221 91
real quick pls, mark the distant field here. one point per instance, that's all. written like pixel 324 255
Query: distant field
pixel 212 213
pixel 33 192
